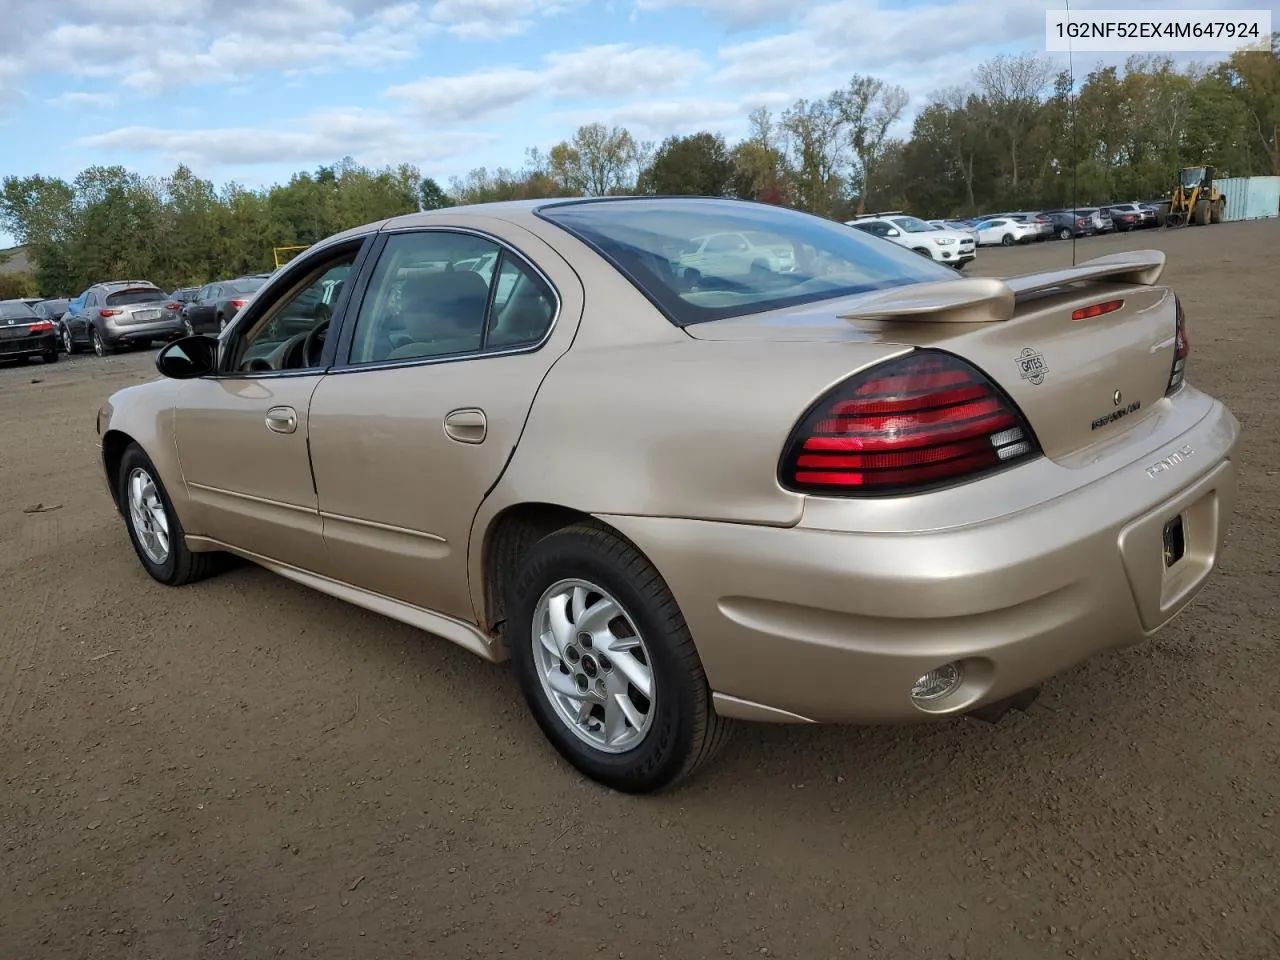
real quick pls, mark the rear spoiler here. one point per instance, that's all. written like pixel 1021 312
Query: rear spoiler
pixel 987 299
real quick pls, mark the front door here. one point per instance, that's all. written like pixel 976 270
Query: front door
pixel 243 434
pixel 410 433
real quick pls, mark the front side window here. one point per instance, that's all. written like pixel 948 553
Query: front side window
pixel 289 333
pixel 436 294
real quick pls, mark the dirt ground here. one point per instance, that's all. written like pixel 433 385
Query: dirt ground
pixel 245 768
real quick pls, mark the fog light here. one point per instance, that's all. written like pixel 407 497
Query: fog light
pixel 936 684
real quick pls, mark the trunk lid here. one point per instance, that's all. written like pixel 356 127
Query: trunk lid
pixel 1077 381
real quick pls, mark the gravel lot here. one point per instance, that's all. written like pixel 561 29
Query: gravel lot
pixel 245 768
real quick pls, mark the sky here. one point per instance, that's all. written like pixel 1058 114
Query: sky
pixel 250 91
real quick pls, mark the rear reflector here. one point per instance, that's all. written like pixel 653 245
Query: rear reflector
pixel 1097 310
pixel 920 421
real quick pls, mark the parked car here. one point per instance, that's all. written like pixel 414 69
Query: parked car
pixel 1132 216
pixel 216 304
pixel 784 497
pixel 1067 224
pixel 24 333
pixel 955 248
pixel 1043 225
pixel 732 253
pixel 119 313
pixel 1098 215
pixel 1005 232
pixel 51 309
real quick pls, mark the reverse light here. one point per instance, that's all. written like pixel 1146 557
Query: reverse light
pixel 1097 310
pixel 1181 349
pixel 912 423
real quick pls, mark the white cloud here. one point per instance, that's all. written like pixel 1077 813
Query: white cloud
pixel 735 13
pixel 495 19
pixel 369 137
pixel 591 73
pixel 83 98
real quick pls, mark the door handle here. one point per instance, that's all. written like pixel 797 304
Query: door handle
pixel 466 426
pixel 282 419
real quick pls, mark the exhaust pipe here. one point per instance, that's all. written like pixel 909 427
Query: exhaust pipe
pixel 994 712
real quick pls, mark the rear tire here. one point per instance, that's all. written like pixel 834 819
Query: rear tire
pixel 154 528
pixel 1006 240
pixel 678 729
pixel 1064 234
pixel 100 346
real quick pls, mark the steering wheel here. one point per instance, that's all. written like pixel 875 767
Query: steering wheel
pixel 313 344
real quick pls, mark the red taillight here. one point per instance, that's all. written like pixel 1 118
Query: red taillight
pixel 1097 310
pixel 41 326
pixel 110 313
pixel 173 306
pixel 919 421
pixel 1181 348
pixel 237 303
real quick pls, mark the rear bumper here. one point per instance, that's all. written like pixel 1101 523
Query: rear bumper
pixel 165 329
pixel 833 626
pixel 29 346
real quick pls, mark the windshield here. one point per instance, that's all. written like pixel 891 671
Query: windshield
pixel 134 295
pixel 16 310
pixel 914 225
pixel 810 258
pixel 1192 176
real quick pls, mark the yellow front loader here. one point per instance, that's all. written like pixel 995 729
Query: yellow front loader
pixel 1195 200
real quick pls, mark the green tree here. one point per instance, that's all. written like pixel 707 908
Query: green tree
pixel 698 164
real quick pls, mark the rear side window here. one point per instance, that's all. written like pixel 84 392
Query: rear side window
pixel 123 298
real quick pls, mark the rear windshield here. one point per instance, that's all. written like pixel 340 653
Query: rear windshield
pixel 793 258
pixel 134 295
pixel 16 310
pixel 244 286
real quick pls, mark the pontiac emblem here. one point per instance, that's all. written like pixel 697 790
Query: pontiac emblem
pixel 1031 366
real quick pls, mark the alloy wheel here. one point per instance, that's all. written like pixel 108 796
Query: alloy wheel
pixel 594 666
pixel 147 516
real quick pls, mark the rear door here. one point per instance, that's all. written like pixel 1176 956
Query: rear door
pixel 433 387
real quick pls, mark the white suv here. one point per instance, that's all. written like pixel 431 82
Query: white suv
pixel 955 248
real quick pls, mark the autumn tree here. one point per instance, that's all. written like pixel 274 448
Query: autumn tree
pixel 699 164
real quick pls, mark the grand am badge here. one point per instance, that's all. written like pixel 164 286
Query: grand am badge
pixel 1031 366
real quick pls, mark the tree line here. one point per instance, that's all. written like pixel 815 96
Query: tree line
pixel 1015 137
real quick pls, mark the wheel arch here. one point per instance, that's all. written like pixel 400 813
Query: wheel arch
pixel 114 444
pixel 506 538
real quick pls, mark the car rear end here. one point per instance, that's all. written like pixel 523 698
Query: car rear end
pixel 24 333
pixel 136 315
pixel 987 506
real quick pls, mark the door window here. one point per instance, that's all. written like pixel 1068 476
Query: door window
pixel 289 333
pixel 436 294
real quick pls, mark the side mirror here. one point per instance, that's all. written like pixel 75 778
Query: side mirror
pixel 188 358
pixel 893 233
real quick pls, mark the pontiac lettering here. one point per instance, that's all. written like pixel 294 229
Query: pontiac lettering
pixel 1169 462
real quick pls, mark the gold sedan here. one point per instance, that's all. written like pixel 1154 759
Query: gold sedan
pixel 836 484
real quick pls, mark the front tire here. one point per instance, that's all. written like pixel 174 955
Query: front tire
pixel 154 528
pixel 606 662
pixel 68 344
